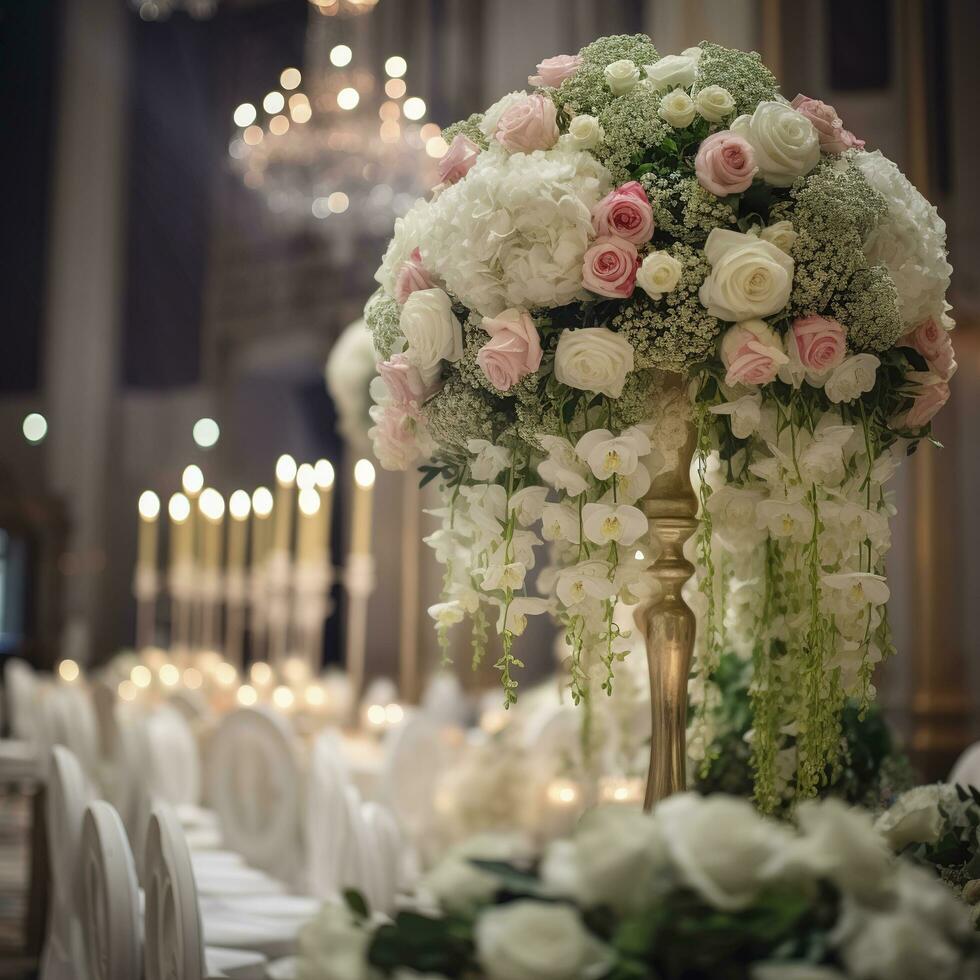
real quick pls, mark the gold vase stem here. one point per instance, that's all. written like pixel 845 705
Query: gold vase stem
pixel 668 624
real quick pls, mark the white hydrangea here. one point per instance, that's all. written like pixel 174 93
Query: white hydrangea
pixel 411 229
pixel 513 234
pixel 911 244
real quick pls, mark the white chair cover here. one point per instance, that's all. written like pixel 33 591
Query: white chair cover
pixel 385 842
pixel 255 784
pixel 109 899
pixel 444 700
pixel 65 805
pixel 327 823
pixel 967 768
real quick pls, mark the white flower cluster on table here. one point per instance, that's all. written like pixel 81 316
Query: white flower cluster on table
pixel 632 217
pixel 703 884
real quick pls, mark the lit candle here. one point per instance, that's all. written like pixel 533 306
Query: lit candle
pixel 361 518
pixel 149 509
pixel 621 789
pixel 262 504
pixel 308 548
pixel 285 488
pixel 179 509
pixel 192 481
pixel 239 506
pixel 212 507
pixel 323 472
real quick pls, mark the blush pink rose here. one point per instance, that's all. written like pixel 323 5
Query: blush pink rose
pixel 626 213
pixel 394 436
pixel 411 276
pixel 752 353
pixel 933 342
pixel 553 71
pixel 725 163
pixel 926 404
pixel 456 162
pixel 609 267
pixel 529 124
pixel 829 126
pixel 403 380
pixel 513 350
pixel 819 343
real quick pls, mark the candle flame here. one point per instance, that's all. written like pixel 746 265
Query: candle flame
pixel 149 505
pixel 192 480
pixel 364 473
pixel 212 504
pixel 68 670
pixel 309 502
pixel 179 508
pixel 262 501
pixel 305 477
pixel 286 469
pixel 239 504
pixel 323 471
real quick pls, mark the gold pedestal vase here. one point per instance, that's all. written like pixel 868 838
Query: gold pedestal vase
pixel 666 621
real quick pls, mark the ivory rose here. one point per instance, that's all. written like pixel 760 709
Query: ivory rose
pixel 818 343
pixel 725 164
pixel 782 234
pixel 432 331
pixel 714 103
pixel 933 342
pixel 411 276
pixel 553 71
pixel 672 71
pixel 513 351
pixel 621 76
pixel 749 277
pixel 609 267
pixel 659 274
pixel 594 359
pixel 585 132
pixel 752 353
pixel 626 213
pixel 829 126
pixel 528 124
pixel 456 162
pixel 786 143
pixel 677 109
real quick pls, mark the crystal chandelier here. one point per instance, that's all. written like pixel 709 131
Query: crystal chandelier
pixel 162 9
pixel 340 148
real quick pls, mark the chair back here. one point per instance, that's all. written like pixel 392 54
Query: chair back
pixel 109 900
pixel 173 948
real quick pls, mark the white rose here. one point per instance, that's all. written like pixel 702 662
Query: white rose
pixel 488 125
pixel 672 71
pixel 621 76
pixel 617 859
pixel 786 143
pixel 914 818
pixel 694 53
pixel 593 359
pixel 334 946
pixel 749 278
pixel 585 132
pixel 718 845
pixel 528 940
pixel 782 234
pixel 677 109
pixel 456 883
pixel 432 331
pixel 714 103
pixel 851 378
pixel 658 274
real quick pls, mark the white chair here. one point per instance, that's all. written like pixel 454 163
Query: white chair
pixel 327 819
pixel 967 768
pixel 109 897
pixel 386 847
pixel 174 946
pixel 256 785
pixel 67 796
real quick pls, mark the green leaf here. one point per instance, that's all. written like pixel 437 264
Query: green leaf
pixel 357 903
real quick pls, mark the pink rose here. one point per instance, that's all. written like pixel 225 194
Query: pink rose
pixel 553 71
pixel 609 267
pixel 513 350
pixel 411 276
pixel 819 343
pixel 927 403
pixel 725 163
pixel 626 213
pixel 752 353
pixel 403 380
pixel 933 342
pixel 829 126
pixel 529 124
pixel 456 162
pixel 394 436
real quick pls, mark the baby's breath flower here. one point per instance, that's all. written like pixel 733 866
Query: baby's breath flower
pixel 470 128
pixel 684 210
pixel 633 126
pixel 742 73
pixel 382 315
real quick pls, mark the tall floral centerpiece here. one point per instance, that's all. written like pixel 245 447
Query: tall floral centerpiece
pixel 639 260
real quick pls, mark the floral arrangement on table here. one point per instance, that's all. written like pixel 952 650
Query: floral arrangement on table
pixel 871 772
pixel 348 373
pixel 633 223
pixel 702 887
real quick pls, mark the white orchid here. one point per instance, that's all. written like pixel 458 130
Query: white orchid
pixel 745 414
pixel 591 579
pixel 527 504
pixel 562 469
pixel 447 613
pixel 622 524
pixel 504 576
pixel 513 618
pixel 489 460
pixel 608 455
pixel 850 592
pixel 790 519
pixel 560 522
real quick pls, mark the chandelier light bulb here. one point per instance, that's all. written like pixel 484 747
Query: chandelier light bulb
pixel 273 102
pixel 290 78
pixel 347 98
pixel 341 55
pixel 245 115
pixel 396 66
pixel 149 505
pixel 414 108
